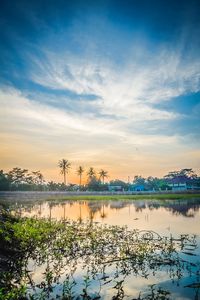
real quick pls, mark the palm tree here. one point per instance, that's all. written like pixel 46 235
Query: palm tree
pixel 91 173
pixel 64 166
pixel 103 174
pixel 80 172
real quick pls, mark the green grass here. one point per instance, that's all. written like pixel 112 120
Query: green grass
pixel 127 197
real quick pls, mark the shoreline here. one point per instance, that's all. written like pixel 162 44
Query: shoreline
pixel 64 196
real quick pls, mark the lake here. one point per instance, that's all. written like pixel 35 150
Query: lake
pixel 165 218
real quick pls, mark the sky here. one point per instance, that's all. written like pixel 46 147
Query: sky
pixel 108 84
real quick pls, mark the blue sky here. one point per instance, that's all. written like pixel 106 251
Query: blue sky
pixel 100 82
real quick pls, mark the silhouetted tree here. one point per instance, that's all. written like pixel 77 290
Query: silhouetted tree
pixel 80 172
pixel 4 181
pixel 94 184
pixel 18 176
pixel 91 173
pixel 103 174
pixel 38 178
pixel 139 180
pixel 119 183
pixel 64 166
pixel 186 173
pixel 152 183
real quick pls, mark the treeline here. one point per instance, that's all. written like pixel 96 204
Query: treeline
pixel 22 180
pixel 19 179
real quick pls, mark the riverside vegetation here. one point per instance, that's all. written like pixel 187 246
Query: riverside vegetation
pixel 102 255
pixel 19 179
pixel 108 197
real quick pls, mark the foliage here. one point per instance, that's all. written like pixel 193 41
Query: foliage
pixel 121 183
pixel 91 173
pixel 150 183
pixel 80 172
pixel 139 180
pixel 154 293
pixel 64 166
pixel 102 175
pixel 19 179
pixel 54 186
pixel 4 181
pixel 94 184
pixel 58 247
pixel 187 173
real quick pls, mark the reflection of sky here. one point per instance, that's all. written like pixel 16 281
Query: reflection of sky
pixel 177 217
pixel 100 79
pixel 164 217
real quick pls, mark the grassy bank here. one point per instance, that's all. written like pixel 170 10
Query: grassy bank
pixel 127 197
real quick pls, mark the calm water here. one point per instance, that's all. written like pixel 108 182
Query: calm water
pixel 166 217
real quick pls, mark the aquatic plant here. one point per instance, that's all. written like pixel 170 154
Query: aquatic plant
pixel 154 293
pixel 102 254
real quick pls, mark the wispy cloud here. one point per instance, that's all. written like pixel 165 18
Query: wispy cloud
pixel 97 89
pixel 127 93
pixel 19 114
pixel 47 133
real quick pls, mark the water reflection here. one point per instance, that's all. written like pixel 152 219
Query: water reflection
pixel 163 216
pixel 89 261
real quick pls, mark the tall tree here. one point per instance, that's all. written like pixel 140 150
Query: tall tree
pixel 187 173
pixel 152 183
pixel 4 181
pixel 103 174
pixel 64 166
pixel 38 178
pixel 94 184
pixel 91 173
pixel 80 172
pixel 18 176
pixel 139 180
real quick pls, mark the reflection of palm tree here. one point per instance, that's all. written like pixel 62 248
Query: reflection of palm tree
pixel 80 219
pixel 103 174
pixel 64 166
pixel 50 208
pixel 40 209
pixel 91 217
pixel 91 173
pixel 103 214
pixel 63 205
pixel 80 172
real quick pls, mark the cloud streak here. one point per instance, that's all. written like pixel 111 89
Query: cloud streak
pixel 94 88
pixel 130 93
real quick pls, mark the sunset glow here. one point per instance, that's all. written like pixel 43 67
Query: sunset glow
pixel 104 84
